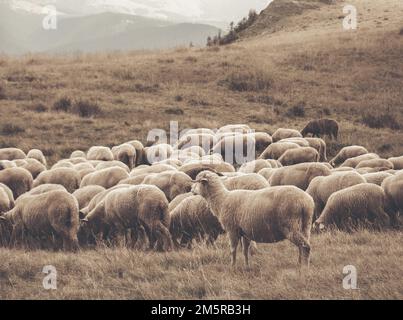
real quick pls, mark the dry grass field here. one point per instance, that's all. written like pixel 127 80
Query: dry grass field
pixel 309 68
pixel 205 273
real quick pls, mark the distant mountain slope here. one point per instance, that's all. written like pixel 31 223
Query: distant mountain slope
pixel 275 15
pixel 23 32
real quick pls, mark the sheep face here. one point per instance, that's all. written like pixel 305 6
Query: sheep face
pixel 203 183
pixel 318 226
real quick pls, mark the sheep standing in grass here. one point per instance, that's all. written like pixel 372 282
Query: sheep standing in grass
pixel 379 164
pixel 299 155
pixel 397 162
pixel 157 153
pixel 276 150
pixel 110 164
pixel 51 214
pixel 321 188
pixel 320 146
pixel 191 220
pixel 86 194
pixel 393 187
pixel 78 154
pixel 7 198
pixel 138 208
pixel 100 153
pixel 282 133
pixel 67 177
pixel 192 169
pixel 347 153
pixel 37 155
pixel 255 166
pixel 171 183
pixel 32 165
pixel 19 180
pixel 268 215
pixel 11 154
pixel 355 161
pixel 125 153
pixel 299 175
pixel 321 127
pixel 106 178
pixel 251 181
pixel 204 140
pixel 377 177
pixel 349 208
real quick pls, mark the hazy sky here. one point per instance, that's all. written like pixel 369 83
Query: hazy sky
pixel 221 10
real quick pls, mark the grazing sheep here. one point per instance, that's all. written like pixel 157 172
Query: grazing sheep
pixel 51 214
pixel 255 166
pixel 33 166
pixel 6 191
pixel 192 169
pixel 299 175
pixel 233 128
pixel 78 154
pixel 393 187
pixel 63 164
pixel 267 173
pixel 86 194
pixel 353 162
pixel 379 164
pixel 204 140
pixel 215 157
pixel 156 168
pixel 19 180
pixel 125 153
pixel 171 183
pixel 299 155
pixel 110 164
pixel 138 179
pixel 172 162
pixel 6 164
pixel 282 133
pixel 320 146
pixel 106 178
pixel 184 156
pixel 251 181
pixel 178 199
pixel 11 154
pixel 100 153
pixel 349 208
pixel 67 177
pixel 236 149
pixel 5 202
pixel 321 188
pixel 137 208
pixel 299 141
pixel 196 150
pixel 397 162
pixel 157 153
pixel 347 153
pixel 321 127
pixel 267 215
pixel 262 141
pixel 197 131
pixel 377 177
pixel 139 151
pixel 43 188
pixel 276 150
pixel 37 155
pixel 191 220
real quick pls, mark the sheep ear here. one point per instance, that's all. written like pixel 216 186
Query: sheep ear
pixel 203 180
pixel 85 220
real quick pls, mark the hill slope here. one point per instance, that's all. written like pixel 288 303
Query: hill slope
pixel 311 64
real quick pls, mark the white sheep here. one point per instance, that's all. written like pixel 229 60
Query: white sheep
pixel 282 133
pixel 125 153
pixel 19 180
pixel 379 164
pixel 268 215
pixel 321 188
pixel 299 175
pixel 377 177
pixel 11 154
pixel 347 153
pixel 352 207
pixel 393 187
pixel 37 155
pixel 86 194
pixel 299 155
pixel 276 150
pixel 100 153
pixel 67 177
pixel 106 178
pixel 397 162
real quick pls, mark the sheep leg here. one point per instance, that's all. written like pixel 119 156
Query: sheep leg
pixel 246 244
pixel 303 246
pixel 234 240
pixel 163 232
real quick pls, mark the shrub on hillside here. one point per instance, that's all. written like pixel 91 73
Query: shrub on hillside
pixel 10 129
pixel 63 104
pixel 384 120
pixel 248 80
pixel 175 110
pixel 296 111
pixel 2 93
pixel 86 109
pixel 39 107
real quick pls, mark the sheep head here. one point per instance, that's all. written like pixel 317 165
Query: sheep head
pixel 206 182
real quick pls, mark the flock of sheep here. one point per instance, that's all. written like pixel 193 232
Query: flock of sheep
pixel 164 197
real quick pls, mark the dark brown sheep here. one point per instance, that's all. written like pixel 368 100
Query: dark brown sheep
pixel 322 127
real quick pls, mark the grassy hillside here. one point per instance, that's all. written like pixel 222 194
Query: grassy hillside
pixel 264 81
pixel 204 273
